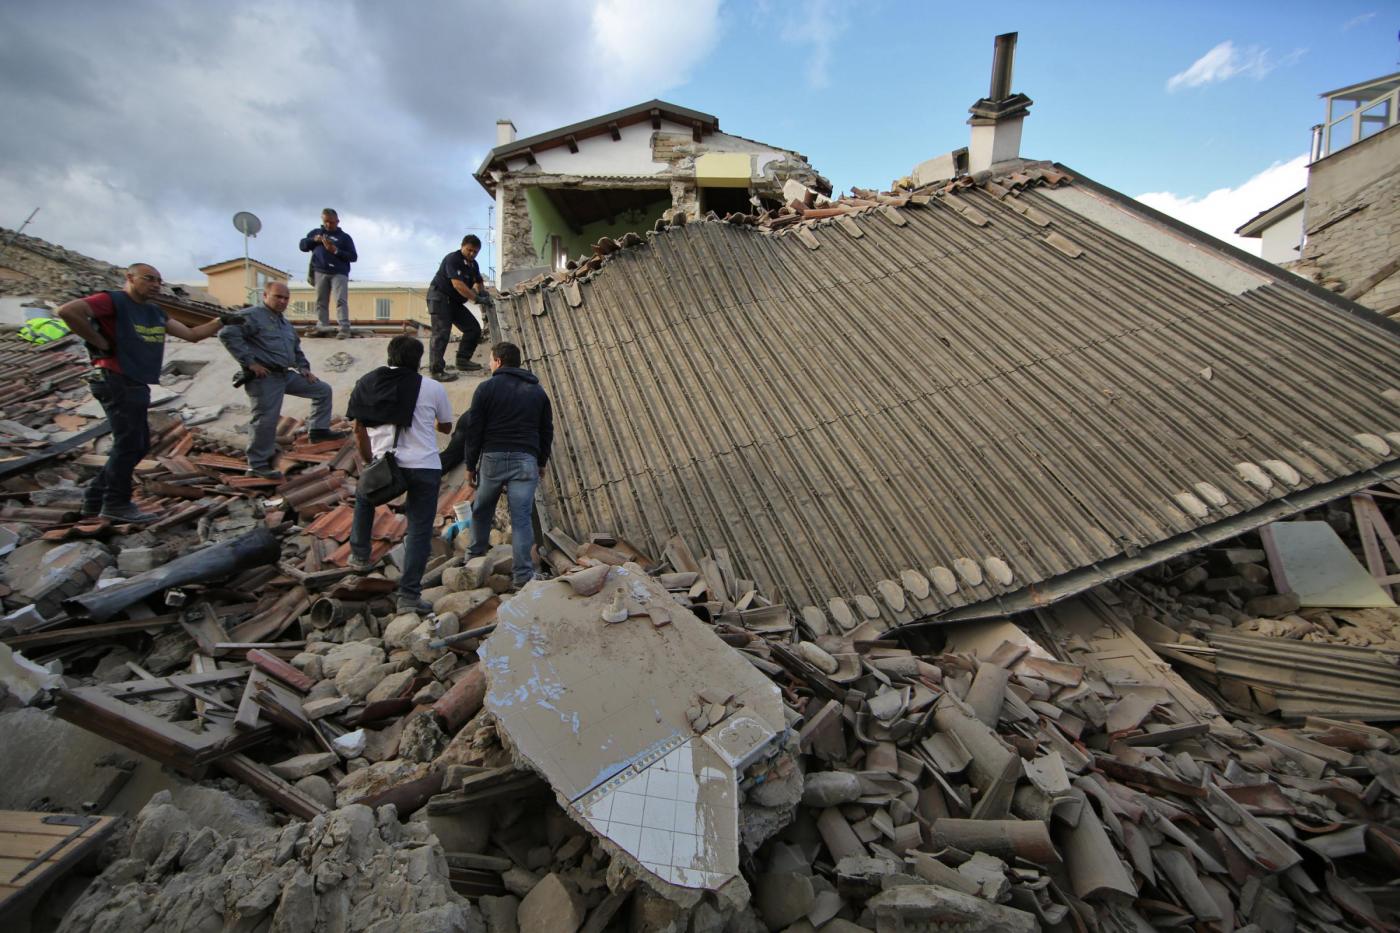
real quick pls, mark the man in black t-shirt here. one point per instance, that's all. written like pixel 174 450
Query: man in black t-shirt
pixel 458 281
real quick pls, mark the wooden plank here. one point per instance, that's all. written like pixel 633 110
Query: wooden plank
pixel 24 837
pixel 65 636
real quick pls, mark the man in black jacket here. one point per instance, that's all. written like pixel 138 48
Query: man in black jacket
pixel 509 430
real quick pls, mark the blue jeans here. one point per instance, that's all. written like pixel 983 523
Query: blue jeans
pixel 520 475
pixel 125 402
pixel 420 509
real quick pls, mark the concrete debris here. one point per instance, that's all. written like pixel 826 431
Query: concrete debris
pixel 352 869
pixel 651 742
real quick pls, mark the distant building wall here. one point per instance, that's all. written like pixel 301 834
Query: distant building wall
pixel 368 304
pixel 1280 240
pixel 1353 215
pixel 229 287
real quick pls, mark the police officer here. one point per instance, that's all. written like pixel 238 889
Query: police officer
pixel 269 350
pixel 125 332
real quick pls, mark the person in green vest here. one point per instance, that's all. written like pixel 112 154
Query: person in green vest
pixel 125 332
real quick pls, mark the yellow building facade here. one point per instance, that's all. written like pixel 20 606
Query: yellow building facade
pixel 233 286
pixel 370 302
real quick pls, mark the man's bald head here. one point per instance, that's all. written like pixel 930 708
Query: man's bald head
pixel 275 296
pixel 142 281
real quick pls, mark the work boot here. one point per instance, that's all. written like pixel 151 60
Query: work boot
pixel 416 604
pixel 317 435
pixel 266 473
pixel 343 334
pixel 128 514
pixel 91 508
pixel 470 367
pixel 361 565
pixel 443 375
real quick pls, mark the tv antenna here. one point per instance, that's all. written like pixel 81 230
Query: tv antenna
pixel 247 223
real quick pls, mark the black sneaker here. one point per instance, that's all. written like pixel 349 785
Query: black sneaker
pixel 317 435
pixel 266 474
pixel 470 367
pixel 89 510
pixel 342 335
pixel 128 514
pixel 418 605
pixel 444 376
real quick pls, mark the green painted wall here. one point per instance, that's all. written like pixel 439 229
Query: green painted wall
pixel 546 221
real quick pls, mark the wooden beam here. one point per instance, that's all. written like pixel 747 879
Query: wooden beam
pixel 696 130
pixel 572 143
pixel 614 132
pixel 655 119
pixel 530 157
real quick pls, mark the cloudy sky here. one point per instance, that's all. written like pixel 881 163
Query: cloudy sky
pixel 139 128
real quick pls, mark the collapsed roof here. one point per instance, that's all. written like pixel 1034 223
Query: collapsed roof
pixel 35 268
pixel 959 401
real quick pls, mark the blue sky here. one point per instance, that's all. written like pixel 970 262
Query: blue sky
pixel 384 110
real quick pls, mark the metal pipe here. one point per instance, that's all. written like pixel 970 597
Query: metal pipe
pixel 460 637
pixel 1003 58
pixel 326 611
pixel 212 563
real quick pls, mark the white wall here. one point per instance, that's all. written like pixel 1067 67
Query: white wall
pixel 1281 239
pixel 631 155
pixel 602 155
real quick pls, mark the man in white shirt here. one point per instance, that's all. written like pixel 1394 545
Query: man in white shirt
pixel 397 409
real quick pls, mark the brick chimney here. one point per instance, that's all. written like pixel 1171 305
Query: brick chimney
pixel 996 119
pixel 505 132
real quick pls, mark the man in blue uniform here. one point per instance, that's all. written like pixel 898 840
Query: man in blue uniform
pixel 125 332
pixel 458 281
pixel 274 366
pixel 332 250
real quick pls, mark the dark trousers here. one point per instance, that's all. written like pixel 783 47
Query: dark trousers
pixel 420 509
pixel 456 450
pixel 125 402
pixel 445 315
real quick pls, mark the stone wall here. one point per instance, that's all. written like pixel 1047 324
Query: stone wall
pixel 517 247
pixel 1353 215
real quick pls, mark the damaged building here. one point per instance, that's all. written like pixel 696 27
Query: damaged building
pixel 559 191
pixel 1342 230
pixel 989 553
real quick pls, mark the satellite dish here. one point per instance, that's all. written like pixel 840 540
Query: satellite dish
pixel 246 223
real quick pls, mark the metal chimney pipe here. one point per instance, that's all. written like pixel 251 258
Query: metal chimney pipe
pixel 1002 60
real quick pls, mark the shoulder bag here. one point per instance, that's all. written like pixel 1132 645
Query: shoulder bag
pixel 383 480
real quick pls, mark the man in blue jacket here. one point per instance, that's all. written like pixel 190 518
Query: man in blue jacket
pixel 332 250
pixel 509 431
pixel 274 366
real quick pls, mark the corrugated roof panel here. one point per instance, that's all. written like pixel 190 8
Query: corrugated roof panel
pixel 939 397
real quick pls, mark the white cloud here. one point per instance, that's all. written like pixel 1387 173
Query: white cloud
pixel 1222 211
pixel 1225 61
pixel 1355 21
pixel 642 40
pixel 812 25
pixel 281 107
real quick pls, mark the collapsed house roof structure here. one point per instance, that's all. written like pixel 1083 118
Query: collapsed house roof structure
pixel 37 269
pixel 979 396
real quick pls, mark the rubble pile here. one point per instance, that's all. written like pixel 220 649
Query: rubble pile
pixel 353 869
pixel 647 742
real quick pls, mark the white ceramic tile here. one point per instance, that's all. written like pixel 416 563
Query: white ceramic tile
pixel 600 810
pixel 661 783
pixel 686 850
pixel 655 846
pixel 628 837
pixel 627 808
pixel 659 813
